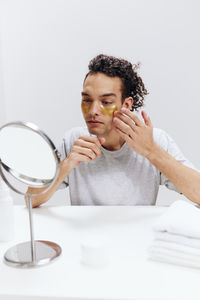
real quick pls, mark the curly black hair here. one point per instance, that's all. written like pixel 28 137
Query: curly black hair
pixel 132 84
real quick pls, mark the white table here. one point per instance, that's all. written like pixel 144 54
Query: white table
pixel 130 274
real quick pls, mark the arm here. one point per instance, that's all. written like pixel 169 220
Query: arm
pixel 139 136
pixel 85 149
pixel 42 198
pixel 185 179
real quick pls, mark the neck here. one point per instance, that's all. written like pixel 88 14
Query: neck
pixel 113 142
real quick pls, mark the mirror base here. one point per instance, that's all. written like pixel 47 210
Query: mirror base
pixel 20 254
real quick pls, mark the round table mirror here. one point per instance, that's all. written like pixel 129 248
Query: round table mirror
pixel 28 158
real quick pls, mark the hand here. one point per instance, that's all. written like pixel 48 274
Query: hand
pixel 85 149
pixel 137 134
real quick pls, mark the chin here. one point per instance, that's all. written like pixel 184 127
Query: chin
pixel 95 131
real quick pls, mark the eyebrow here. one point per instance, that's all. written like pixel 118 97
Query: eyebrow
pixel 108 95
pixel 84 94
pixel 102 96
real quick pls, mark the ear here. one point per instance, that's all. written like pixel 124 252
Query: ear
pixel 128 102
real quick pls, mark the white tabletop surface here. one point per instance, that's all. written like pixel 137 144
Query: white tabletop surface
pixel 125 233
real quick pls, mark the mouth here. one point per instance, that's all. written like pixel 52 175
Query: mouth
pixel 94 122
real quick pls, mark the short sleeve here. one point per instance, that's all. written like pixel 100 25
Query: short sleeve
pixel 168 144
pixel 62 150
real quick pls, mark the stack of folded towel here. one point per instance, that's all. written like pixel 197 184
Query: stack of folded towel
pixel 177 235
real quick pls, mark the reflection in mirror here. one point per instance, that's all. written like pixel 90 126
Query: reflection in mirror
pixel 13 181
pixel 26 152
pixel 28 158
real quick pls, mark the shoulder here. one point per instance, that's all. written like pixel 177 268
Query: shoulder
pixel 72 134
pixel 163 139
pixel 69 138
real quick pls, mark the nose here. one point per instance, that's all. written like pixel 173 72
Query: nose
pixel 95 108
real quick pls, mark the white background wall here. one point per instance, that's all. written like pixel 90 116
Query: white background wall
pixel 46 46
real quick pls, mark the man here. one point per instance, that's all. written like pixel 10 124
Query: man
pixel 119 159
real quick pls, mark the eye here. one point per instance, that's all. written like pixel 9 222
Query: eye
pixel 86 100
pixel 106 102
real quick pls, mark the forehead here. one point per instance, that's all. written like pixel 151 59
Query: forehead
pixel 101 84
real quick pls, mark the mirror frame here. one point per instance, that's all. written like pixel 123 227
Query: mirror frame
pixel 22 177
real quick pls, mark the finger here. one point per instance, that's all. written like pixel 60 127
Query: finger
pixel 101 140
pixel 84 151
pixel 146 118
pixel 83 158
pixel 88 145
pixel 90 139
pixel 126 119
pixel 126 129
pixel 126 137
pixel 131 115
pixel 78 158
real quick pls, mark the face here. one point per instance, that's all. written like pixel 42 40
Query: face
pixel 101 96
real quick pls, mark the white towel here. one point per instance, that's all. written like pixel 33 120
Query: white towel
pixel 181 218
pixel 177 249
pixel 177 235
pixel 176 238
pixel 180 261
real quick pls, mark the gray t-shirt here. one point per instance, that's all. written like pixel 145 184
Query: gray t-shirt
pixel 120 177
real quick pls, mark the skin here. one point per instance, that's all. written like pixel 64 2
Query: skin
pixel 100 90
pixel 112 130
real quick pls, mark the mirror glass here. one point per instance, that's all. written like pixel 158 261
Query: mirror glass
pixel 28 158
pixel 28 154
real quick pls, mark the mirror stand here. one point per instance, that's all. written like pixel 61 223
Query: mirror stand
pixel 33 253
pixel 21 164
